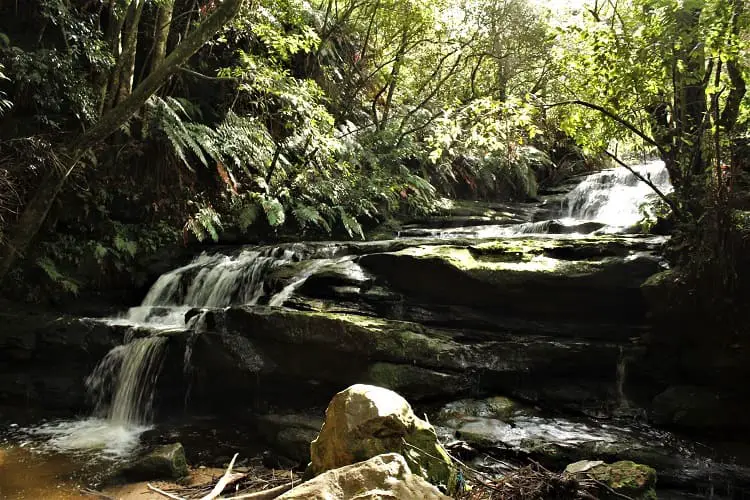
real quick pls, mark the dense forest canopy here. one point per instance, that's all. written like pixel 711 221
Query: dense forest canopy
pixel 132 125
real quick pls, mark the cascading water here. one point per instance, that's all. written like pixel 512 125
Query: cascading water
pixel 123 382
pixel 216 280
pixel 614 197
pixel 122 385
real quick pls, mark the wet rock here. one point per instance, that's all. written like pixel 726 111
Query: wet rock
pixel 497 407
pixel 385 476
pixel 44 357
pixel 511 275
pixel 421 382
pixel 694 407
pixel 342 349
pixel 165 462
pixel 364 421
pixel 624 478
pixel 290 434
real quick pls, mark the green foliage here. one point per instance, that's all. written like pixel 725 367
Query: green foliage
pixel 65 283
pixel 206 222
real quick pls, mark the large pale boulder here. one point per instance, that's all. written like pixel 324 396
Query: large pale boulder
pixel 364 421
pixel 382 477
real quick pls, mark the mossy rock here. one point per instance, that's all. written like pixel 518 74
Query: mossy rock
pixel 164 462
pixel 365 421
pixel 633 480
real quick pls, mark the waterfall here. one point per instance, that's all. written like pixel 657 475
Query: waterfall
pixel 128 374
pixel 215 280
pixel 281 297
pixel 614 197
pixel 122 385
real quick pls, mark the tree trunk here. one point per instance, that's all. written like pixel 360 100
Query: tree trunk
pixel 394 78
pixel 163 25
pixel 128 53
pixel 37 209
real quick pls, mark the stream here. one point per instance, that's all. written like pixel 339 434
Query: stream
pixel 538 302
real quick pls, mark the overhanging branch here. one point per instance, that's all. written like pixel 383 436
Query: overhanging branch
pixel 612 116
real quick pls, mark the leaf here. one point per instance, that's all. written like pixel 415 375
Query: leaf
pixel 351 225
pixel 274 211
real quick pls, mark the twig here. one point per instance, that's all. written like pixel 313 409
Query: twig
pixel 608 488
pixel 265 495
pixel 223 482
pixel 162 492
pixel 647 181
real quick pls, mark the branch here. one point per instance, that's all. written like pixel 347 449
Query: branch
pixel 114 119
pixel 609 114
pixel 648 182
pixel 227 478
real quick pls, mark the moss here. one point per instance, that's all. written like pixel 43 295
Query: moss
pixel 627 478
pixel 428 458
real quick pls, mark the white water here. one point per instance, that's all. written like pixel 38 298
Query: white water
pixel 215 280
pixel 614 197
pixel 123 386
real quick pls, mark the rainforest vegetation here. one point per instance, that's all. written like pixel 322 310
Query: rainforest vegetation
pixel 131 128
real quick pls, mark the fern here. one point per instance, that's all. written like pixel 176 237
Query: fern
pixel 206 222
pixel 66 283
pixel 5 104
pixel 350 224
pixel 306 215
pixel 274 211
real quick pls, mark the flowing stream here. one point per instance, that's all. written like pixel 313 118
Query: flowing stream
pixel 123 383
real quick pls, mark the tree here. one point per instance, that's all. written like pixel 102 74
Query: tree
pixel 36 210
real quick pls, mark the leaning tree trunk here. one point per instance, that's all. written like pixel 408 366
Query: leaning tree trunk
pixel 37 209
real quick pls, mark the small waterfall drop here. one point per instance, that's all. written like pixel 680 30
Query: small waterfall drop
pixel 614 196
pixel 122 385
pixel 127 375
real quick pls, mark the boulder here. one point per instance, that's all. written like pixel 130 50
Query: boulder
pixel 290 434
pixel 364 421
pixel 164 462
pixel 456 412
pixel 510 276
pixel 622 479
pixel 382 477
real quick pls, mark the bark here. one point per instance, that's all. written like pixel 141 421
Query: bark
pixel 37 209
pixel 163 25
pixel 394 78
pixel 128 53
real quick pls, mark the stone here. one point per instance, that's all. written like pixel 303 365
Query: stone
pixel 164 462
pixel 455 412
pixel 695 407
pixel 382 477
pixel 290 434
pixel 636 481
pixel 411 379
pixel 511 275
pixel 364 421
pixel 582 466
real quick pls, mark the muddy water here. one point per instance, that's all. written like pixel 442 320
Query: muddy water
pixel 26 474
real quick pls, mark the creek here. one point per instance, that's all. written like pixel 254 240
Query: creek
pixel 537 302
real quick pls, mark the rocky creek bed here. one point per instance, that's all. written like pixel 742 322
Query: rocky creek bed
pixel 518 335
